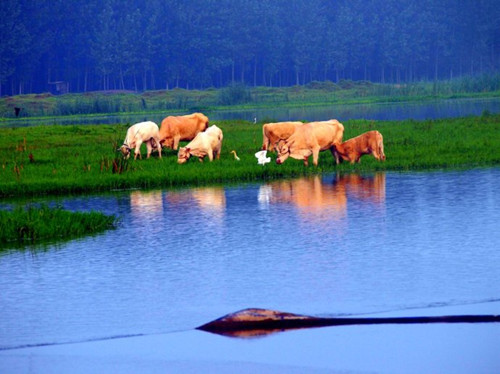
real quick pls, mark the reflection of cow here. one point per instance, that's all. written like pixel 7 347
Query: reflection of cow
pixel 181 128
pixel 147 203
pixel 210 198
pixel 365 188
pixel 208 208
pixel 142 132
pixel 309 139
pixel 206 143
pixel 370 142
pixel 207 198
pixel 309 194
pixel 273 132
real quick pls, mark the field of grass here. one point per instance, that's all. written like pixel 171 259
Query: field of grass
pixel 35 224
pixel 57 160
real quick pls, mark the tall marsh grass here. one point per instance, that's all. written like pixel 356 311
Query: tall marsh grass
pixel 56 159
pixel 33 224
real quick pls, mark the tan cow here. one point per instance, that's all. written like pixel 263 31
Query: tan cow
pixel 142 132
pixel 206 143
pixel 174 129
pixel 370 142
pixel 273 132
pixel 309 139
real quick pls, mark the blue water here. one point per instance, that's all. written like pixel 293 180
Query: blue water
pixel 326 246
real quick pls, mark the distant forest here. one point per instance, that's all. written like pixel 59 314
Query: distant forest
pixel 88 45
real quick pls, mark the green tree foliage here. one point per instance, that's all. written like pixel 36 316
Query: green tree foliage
pixel 156 44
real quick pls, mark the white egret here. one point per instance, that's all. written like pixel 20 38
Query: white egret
pixel 261 157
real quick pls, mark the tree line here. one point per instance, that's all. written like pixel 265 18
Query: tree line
pixel 88 45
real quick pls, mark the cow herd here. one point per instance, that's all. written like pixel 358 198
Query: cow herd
pixel 290 139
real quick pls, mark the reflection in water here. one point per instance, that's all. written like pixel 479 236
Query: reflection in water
pixel 209 199
pixel 212 199
pixel 145 204
pixel 366 188
pixel 352 245
pixel 325 200
pixel 211 202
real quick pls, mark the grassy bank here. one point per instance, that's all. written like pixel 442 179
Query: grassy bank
pixel 56 160
pixel 238 96
pixel 35 224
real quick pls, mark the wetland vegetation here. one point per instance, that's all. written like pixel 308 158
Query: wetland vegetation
pixel 239 96
pixel 56 160
pixel 33 224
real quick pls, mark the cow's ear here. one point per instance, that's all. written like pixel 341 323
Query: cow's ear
pixel 188 149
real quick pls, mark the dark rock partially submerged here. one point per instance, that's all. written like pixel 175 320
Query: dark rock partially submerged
pixel 257 322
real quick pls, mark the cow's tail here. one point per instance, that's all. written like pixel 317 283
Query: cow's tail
pixel 380 146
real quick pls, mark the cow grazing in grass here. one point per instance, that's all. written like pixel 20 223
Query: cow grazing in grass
pixel 174 129
pixel 273 132
pixel 370 142
pixel 206 143
pixel 309 139
pixel 142 132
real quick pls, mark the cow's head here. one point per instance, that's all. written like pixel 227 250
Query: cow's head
pixel 183 155
pixel 283 152
pixel 125 150
pixel 167 143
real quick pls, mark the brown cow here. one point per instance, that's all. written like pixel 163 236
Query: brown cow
pixel 273 132
pixel 370 142
pixel 310 139
pixel 174 129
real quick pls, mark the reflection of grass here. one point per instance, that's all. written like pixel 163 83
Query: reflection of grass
pixel 38 223
pixel 81 159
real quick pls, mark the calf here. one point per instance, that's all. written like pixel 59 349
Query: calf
pixel 206 143
pixel 142 132
pixel 370 142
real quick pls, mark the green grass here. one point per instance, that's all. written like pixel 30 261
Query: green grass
pixel 35 224
pixel 57 160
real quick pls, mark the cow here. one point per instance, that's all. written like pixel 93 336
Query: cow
pixel 273 132
pixel 206 143
pixel 174 129
pixel 142 132
pixel 310 139
pixel 370 142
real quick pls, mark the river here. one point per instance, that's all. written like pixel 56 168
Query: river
pixel 333 245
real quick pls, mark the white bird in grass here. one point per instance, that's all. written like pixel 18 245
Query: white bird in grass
pixel 261 157
pixel 235 155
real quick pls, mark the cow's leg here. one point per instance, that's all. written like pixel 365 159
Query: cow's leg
pixel 149 148
pixel 137 150
pixel 315 156
pixel 335 155
pixel 210 154
pixel 158 146
pixel 176 142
